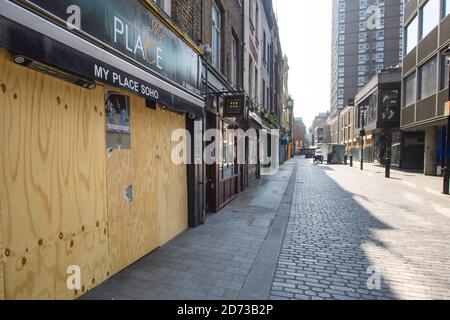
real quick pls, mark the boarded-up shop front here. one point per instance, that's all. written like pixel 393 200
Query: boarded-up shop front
pixel 87 184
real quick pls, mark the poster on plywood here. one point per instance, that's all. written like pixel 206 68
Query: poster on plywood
pixel 118 124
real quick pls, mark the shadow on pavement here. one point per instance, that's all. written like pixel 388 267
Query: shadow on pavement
pixel 323 252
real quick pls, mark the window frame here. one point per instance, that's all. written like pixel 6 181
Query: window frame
pixel 422 34
pixel 216 29
pixel 414 21
pixel 420 95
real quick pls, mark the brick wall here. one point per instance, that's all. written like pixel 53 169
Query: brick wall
pixel 187 15
pixel 231 26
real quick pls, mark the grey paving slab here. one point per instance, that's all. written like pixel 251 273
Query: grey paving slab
pixel 211 261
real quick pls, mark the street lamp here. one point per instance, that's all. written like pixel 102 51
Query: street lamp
pixel 446 172
pixel 362 111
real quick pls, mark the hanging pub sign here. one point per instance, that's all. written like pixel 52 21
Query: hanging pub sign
pixel 128 27
pixel 234 106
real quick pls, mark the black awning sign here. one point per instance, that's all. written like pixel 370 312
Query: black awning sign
pixel 118 79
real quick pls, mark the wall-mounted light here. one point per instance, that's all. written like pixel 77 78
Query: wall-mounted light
pixel 40 67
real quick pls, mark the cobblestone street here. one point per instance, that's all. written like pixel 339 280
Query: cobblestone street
pixel 346 226
pixel 311 232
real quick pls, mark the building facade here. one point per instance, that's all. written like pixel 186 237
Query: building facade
pixel 425 83
pixel 102 99
pixel 320 130
pixel 378 105
pixel 366 38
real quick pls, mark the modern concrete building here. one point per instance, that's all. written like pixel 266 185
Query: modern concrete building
pixel 380 98
pixel 425 82
pixel 367 37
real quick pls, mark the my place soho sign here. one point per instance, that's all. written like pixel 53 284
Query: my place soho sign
pixel 128 27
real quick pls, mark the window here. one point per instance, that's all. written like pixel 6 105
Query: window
pixel 257 22
pixel 410 90
pixel 428 79
pixel 216 26
pixel 229 155
pixel 429 17
pixel 256 82
pixel 234 61
pixel 264 93
pixel 165 5
pixel 264 47
pixel 446 9
pixel 445 69
pixel 250 77
pixel 411 35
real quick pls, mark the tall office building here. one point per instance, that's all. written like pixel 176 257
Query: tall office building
pixel 367 37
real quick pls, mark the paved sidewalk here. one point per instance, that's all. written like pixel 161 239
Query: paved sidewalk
pixel 214 261
pixel 348 229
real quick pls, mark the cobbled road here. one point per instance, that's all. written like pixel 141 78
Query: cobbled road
pixel 357 235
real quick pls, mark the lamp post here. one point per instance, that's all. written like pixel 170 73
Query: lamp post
pixel 446 172
pixel 362 111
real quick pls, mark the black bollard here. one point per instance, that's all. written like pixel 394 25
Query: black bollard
pixel 388 168
pixel 351 161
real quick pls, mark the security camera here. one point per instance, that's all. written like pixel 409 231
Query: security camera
pixel 192 116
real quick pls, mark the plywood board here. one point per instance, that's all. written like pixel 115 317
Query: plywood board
pixel 172 180
pixel 2 250
pixel 158 211
pixel 54 175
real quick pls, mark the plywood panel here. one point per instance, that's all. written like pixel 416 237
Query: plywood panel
pixel 2 250
pixel 159 208
pixel 172 180
pixel 54 177
pixel 119 221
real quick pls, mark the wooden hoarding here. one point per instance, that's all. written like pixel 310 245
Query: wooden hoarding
pixel 54 216
pixel 157 211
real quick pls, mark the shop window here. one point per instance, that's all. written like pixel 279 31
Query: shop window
pixel 228 165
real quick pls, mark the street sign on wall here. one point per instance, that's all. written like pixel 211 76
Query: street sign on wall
pixel 130 28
